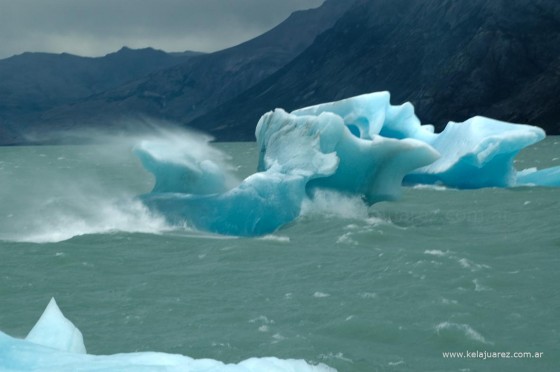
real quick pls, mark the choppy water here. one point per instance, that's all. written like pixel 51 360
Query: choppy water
pixel 385 289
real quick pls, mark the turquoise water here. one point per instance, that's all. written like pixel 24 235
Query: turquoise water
pixel 389 288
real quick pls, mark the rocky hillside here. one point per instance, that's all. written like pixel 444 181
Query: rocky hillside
pixel 452 59
pixel 32 83
pixel 191 89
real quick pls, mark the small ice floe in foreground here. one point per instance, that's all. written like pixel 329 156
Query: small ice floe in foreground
pixel 55 344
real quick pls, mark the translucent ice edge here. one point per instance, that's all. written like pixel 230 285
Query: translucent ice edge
pixel 361 146
pixel 55 344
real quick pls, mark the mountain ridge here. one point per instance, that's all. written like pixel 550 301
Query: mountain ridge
pixel 191 89
pixel 34 82
pixel 451 59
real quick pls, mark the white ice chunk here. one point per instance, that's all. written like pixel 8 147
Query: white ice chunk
pixel 55 345
pixel 544 177
pixel 54 330
pixel 477 153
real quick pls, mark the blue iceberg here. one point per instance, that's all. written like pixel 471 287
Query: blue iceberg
pixel 298 154
pixel 194 187
pixel 545 177
pixel 357 146
pixel 371 115
pixel 185 164
pixel 323 149
pixel 55 344
pixel 476 153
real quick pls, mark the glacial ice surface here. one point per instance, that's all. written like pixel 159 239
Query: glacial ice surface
pixel 55 344
pixel 360 146
pixel 477 153
pixel 55 331
pixel 371 115
pixel 185 164
pixel 544 177
pixel 299 153
pixel 323 148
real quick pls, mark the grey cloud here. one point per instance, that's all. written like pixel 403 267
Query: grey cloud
pixel 97 27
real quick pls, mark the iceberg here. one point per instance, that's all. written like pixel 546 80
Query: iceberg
pixel 55 331
pixel 55 344
pixel 477 153
pixel 258 206
pixel 298 154
pixel 185 164
pixel 332 157
pixel 371 115
pixel 474 154
pixel 545 177
pixel 360 146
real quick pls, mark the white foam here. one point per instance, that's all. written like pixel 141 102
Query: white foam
pixel 261 319
pixel 276 238
pixel 339 356
pixel 479 287
pixel 435 252
pixel 471 265
pixel 278 337
pixel 469 332
pixel 321 295
pixel 446 301
pixel 346 239
pixel 434 187
pixel 335 204
pixel 94 215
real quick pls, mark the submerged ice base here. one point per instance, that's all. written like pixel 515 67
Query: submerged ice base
pixel 360 146
pixel 56 345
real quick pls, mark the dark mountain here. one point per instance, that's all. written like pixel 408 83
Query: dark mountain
pixel 38 81
pixel 452 59
pixel 191 89
pixel 31 83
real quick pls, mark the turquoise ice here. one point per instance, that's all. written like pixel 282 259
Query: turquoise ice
pixel 55 344
pixel 360 146
pixel 299 154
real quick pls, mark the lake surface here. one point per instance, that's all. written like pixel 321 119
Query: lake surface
pixel 389 288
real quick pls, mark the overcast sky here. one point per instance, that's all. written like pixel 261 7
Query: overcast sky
pixel 98 27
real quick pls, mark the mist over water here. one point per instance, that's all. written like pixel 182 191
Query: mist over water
pixel 385 288
pixel 59 192
pixel 55 193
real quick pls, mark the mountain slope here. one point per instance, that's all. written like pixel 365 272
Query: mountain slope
pixel 37 81
pixel 191 89
pixel 452 59
pixel 31 83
